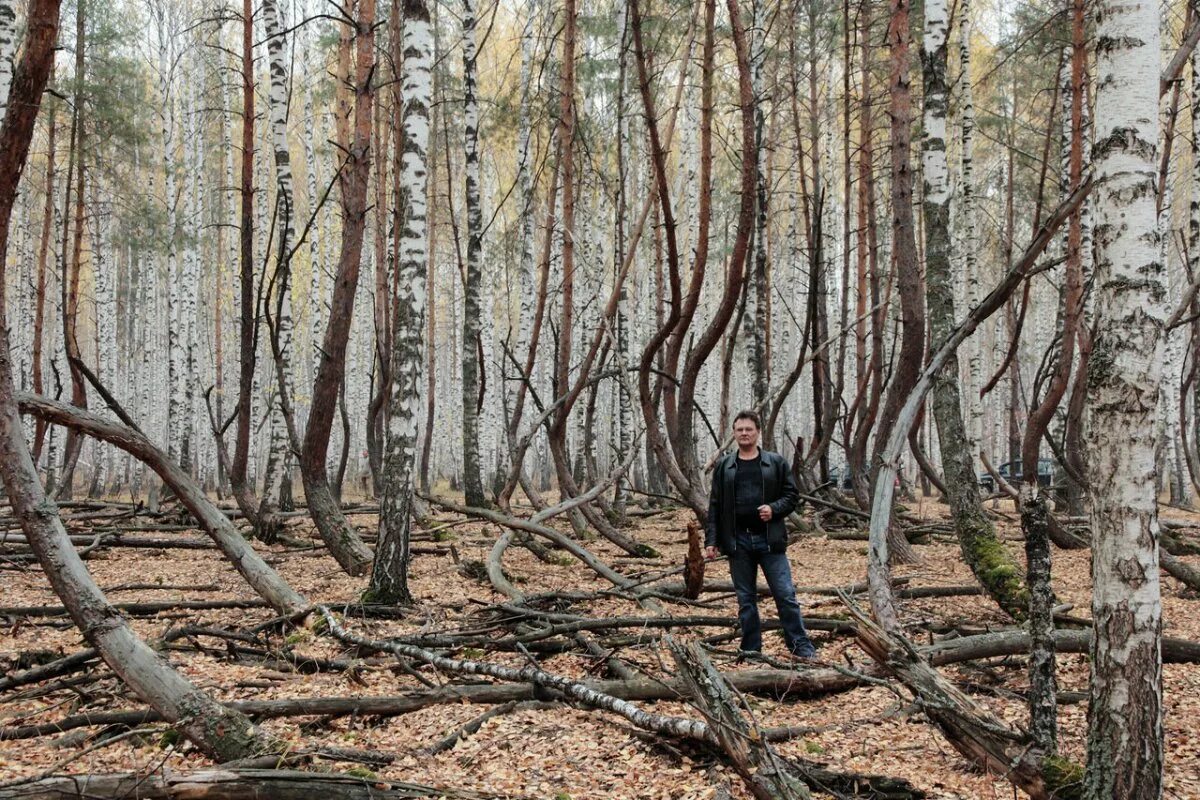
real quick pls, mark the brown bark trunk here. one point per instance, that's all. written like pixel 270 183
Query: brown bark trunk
pixel 904 245
pixel 70 280
pixel 344 543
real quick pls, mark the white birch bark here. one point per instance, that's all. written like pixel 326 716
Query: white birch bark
pixel 316 299
pixel 755 318
pixel 472 311
pixel 389 579
pixel 106 307
pixel 191 272
pixel 1125 734
pixel 966 211
pixel 8 47
pixel 284 213
pixel 176 368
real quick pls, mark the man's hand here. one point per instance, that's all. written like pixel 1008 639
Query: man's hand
pixel 765 513
pixel 710 552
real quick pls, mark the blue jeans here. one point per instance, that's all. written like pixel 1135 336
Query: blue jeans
pixel 750 553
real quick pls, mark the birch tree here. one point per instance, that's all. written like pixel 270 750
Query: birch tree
pixel 473 281
pixel 279 459
pixel 8 46
pixel 389 579
pixel 1125 733
pixel 982 551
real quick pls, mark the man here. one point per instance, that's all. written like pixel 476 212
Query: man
pixel 753 492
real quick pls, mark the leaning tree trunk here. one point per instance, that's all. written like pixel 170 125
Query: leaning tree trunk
pixel 343 542
pixel 473 279
pixel 995 569
pixel 389 579
pixel 1125 721
pixel 261 577
pixel 219 732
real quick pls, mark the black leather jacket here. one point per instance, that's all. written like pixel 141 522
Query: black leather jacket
pixel 779 492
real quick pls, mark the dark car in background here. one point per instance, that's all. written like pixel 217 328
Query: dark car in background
pixel 842 477
pixel 1012 473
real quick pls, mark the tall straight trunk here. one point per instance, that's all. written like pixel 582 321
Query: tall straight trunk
pixel 430 306
pixel 983 552
pixel 219 732
pixel 533 301
pixel 756 317
pixel 335 530
pixel 566 149
pixel 176 369
pixel 1193 253
pixel 279 458
pixel 385 230
pixel 904 251
pixel 389 579
pixel 472 395
pixel 870 388
pixel 966 213
pixel 239 468
pixel 1125 716
pixel 820 263
pixel 70 280
pixel 1043 685
pixel 39 314
pixel 316 294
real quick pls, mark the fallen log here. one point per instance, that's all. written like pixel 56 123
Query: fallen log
pixel 970 728
pixel 761 768
pixel 228 784
pixel 1016 642
pixel 136 608
pixel 51 669
pixel 780 685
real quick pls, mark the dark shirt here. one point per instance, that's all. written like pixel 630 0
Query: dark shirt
pixel 748 494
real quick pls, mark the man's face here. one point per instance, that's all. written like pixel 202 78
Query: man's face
pixel 745 433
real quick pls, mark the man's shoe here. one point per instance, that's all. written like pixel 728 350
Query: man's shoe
pixel 808 656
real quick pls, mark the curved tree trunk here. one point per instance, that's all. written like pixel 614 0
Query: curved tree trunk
pixel 343 542
pixel 994 568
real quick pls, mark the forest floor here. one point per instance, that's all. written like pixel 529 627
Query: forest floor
pixel 567 752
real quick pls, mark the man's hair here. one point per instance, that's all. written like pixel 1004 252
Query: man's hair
pixel 750 415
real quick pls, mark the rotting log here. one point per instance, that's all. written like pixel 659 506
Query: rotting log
pixel 760 767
